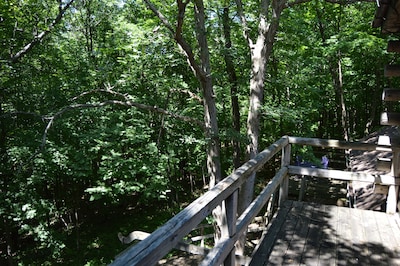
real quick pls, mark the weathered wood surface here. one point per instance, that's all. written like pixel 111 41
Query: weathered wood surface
pixel 213 257
pixel 312 234
pixel 342 175
pixel 165 238
pixel 170 235
pixel 391 95
pixel 332 143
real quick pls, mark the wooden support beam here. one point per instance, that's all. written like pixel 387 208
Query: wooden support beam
pixel 392 71
pixel 390 119
pixel 391 95
pixel 393 46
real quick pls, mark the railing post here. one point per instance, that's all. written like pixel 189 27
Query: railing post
pixel 229 228
pixel 284 188
pixel 391 201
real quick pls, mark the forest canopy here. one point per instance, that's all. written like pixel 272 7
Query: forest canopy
pixel 115 114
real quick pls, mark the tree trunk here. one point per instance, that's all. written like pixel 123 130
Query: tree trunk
pixel 376 105
pixel 202 72
pixel 335 68
pixel 341 112
pixel 259 52
pixel 230 69
pixel 210 110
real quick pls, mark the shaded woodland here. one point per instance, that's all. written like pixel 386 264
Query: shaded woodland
pixel 115 114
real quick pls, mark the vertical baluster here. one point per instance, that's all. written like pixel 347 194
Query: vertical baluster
pixel 284 189
pixel 230 229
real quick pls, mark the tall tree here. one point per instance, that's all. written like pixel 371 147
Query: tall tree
pixel 233 83
pixel 202 71
pixel 260 50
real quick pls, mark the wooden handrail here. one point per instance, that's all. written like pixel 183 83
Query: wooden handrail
pixel 337 144
pixel 161 241
pixel 345 175
pixel 154 247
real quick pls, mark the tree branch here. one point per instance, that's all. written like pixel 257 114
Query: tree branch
pixel 127 102
pixel 177 33
pixel 191 94
pixel 246 29
pixel 163 19
pixel 14 58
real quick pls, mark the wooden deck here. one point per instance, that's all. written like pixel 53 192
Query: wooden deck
pixel 312 234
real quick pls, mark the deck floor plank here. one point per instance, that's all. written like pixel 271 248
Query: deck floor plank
pixel 328 243
pixel 285 235
pixel 298 239
pixel 313 234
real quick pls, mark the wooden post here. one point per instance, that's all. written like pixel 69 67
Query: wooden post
pixel 284 188
pixel 303 186
pixel 229 228
pixel 391 201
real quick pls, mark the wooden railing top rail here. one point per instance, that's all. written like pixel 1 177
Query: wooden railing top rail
pixel 344 175
pixel 340 144
pixel 150 250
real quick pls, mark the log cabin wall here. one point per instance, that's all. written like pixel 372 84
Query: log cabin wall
pixel 387 18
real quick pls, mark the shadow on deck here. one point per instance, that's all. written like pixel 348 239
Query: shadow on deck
pixel 313 234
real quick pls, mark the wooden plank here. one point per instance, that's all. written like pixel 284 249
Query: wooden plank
pixel 332 143
pixel 284 237
pixel 384 140
pixel 384 164
pixel 221 249
pixel 255 207
pixel 358 240
pixel 391 95
pixel 394 222
pixel 343 175
pixel 328 235
pixel 391 201
pixel 390 119
pixel 373 237
pixel 161 241
pixel 183 246
pixel 297 243
pixel 389 241
pixel 284 189
pixel 344 236
pixel 392 71
pixel 393 46
pixel 328 243
pixel 229 229
pixel 303 187
pixel 268 240
pixel 311 247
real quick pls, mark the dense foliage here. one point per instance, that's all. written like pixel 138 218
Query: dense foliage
pixel 100 118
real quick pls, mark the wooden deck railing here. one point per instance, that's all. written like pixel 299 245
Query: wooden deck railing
pixel 154 247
